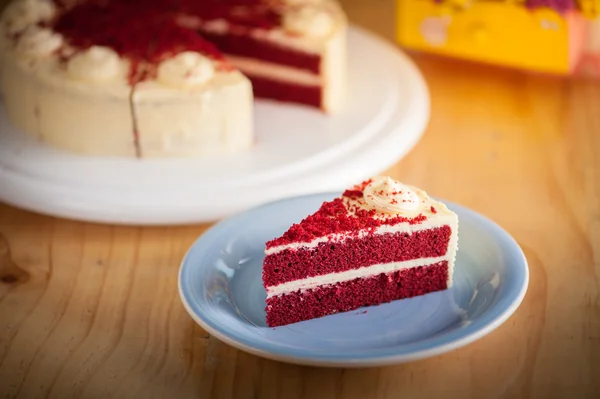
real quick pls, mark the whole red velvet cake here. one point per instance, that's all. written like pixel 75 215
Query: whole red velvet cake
pixel 165 78
pixel 379 242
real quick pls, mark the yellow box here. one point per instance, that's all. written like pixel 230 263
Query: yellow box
pixel 497 32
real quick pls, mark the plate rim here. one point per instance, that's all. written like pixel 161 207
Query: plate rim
pixel 366 360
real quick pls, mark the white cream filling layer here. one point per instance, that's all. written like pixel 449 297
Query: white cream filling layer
pixel 363 272
pixel 440 221
pixel 272 71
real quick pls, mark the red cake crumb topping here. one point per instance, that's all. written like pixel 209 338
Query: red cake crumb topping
pixel 145 31
pixel 361 187
pixel 433 210
pixel 353 193
pixel 333 217
pixel 92 24
pixel 140 34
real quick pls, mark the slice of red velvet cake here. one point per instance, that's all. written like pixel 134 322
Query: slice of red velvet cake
pixel 381 241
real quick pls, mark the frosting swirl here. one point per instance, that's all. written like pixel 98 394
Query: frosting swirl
pixel 390 196
pixel 20 15
pixel 38 42
pixel 309 20
pixel 96 64
pixel 186 69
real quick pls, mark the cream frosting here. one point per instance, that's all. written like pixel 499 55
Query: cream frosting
pixel 197 121
pixel 309 20
pixel 334 71
pixel 20 15
pixel 363 272
pixel 387 195
pixel 186 69
pixel 96 64
pixel 65 113
pixel 38 42
pixel 429 207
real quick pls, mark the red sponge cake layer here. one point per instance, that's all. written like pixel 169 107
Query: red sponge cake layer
pixel 285 91
pixel 354 253
pixel 350 295
pixel 245 46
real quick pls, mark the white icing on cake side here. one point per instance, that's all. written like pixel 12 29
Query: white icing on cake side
pixel 197 121
pixel 308 20
pixel 46 101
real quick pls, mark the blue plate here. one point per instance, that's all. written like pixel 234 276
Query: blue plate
pixel 220 285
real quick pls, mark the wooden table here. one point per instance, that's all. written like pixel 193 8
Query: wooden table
pixel 93 311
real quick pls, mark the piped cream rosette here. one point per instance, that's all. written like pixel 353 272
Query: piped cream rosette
pixel 389 196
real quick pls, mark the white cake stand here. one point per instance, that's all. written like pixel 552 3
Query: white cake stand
pixel 298 151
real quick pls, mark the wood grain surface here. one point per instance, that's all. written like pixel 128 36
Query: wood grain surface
pixel 91 311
